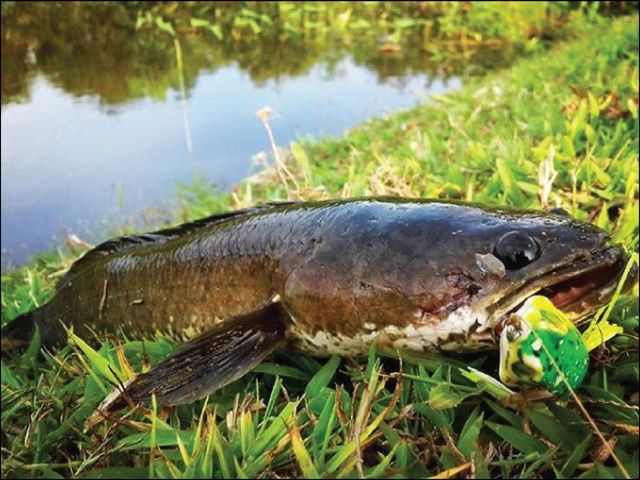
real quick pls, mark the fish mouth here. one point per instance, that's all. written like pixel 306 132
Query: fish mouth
pixel 577 288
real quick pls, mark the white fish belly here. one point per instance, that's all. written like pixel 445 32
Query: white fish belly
pixel 459 331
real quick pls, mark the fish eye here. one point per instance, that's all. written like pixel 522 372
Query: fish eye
pixel 516 250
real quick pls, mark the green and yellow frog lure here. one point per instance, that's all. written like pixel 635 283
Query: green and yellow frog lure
pixel 540 346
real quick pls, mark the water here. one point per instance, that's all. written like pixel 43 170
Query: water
pixel 93 126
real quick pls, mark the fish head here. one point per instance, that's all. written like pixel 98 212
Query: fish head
pixel 488 261
pixel 570 262
pixel 493 260
pixel 530 278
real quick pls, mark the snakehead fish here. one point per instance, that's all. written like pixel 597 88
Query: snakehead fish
pixel 324 278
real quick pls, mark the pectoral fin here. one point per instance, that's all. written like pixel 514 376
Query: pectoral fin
pixel 208 362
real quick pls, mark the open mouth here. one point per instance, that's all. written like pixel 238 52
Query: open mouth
pixel 575 294
pixel 576 288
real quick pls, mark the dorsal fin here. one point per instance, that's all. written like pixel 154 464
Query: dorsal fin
pixel 130 242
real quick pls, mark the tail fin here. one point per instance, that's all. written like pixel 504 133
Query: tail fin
pixel 18 332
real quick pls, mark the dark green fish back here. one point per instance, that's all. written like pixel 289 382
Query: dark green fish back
pixel 131 242
pixel 177 280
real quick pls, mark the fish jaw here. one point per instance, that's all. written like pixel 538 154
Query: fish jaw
pixel 578 287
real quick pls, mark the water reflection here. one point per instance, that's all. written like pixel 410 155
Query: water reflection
pixel 94 48
pixel 91 114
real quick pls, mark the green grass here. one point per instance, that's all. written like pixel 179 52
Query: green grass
pixel 572 110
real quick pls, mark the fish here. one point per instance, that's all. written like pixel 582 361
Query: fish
pixel 324 278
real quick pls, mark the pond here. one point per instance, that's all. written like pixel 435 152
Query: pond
pixel 106 107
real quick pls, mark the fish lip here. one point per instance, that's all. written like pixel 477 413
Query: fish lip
pixel 611 260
